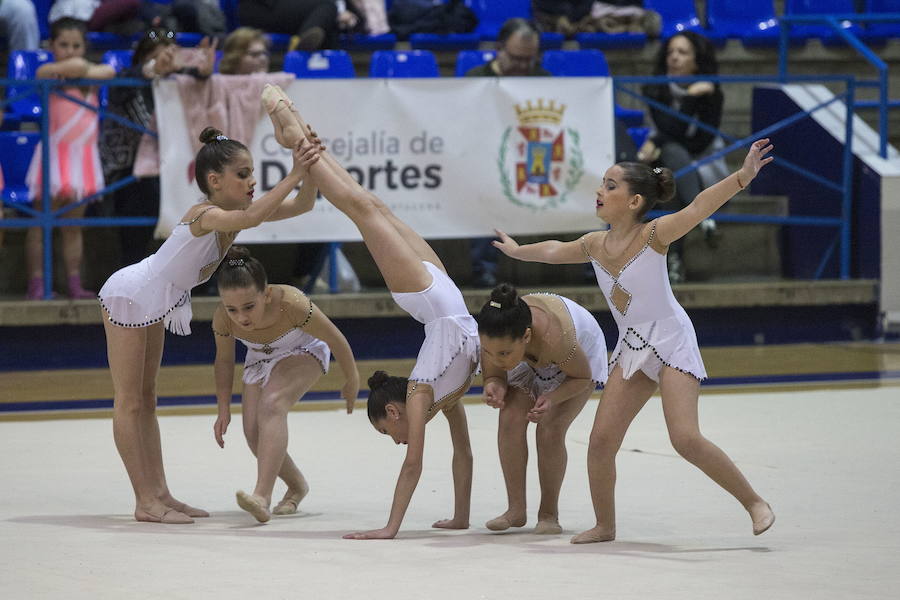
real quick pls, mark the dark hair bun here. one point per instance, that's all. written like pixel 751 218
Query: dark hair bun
pixel 236 252
pixel 378 379
pixel 505 295
pixel 665 184
pixel 209 134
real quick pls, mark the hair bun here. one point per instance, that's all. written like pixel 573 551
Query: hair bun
pixel 505 295
pixel 377 380
pixel 209 134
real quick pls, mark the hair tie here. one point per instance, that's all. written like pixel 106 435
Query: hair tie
pixel 221 138
pixel 496 304
pixel 657 171
pixel 235 262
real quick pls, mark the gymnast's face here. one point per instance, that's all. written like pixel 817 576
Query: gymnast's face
pixel 505 352
pixel 234 186
pixel 614 197
pixel 245 306
pixel 394 424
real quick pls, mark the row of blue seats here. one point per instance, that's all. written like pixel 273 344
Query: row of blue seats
pixel 23 65
pixel 754 23
pixel 16 148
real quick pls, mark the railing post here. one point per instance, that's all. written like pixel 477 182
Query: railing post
pixel 847 200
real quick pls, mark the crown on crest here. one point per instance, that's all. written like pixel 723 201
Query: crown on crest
pixel 551 113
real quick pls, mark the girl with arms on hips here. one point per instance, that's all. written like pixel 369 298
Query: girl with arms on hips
pixel 140 300
pixel 289 344
pixel 657 347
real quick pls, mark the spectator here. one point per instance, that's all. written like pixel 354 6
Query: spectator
pixel 75 170
pixel 115 16
pixel 245 51
pixel 676 143
pixel 154 56
pixel 19 19
pixel 587 16
pixel 312 23
pixel 518 53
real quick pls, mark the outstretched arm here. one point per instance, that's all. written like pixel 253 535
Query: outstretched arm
pixel 320 326
pixel 552 252
pixel 224 375
pixel 674 226
pixel 410 472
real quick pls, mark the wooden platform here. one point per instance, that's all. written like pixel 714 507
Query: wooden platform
pixel 377 304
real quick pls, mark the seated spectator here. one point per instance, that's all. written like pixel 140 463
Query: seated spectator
pixel 587 16
pixel 19 19
pixel 245 51
pixel 312 23
pixel 676 143
pixel 154 56
pixel 115 16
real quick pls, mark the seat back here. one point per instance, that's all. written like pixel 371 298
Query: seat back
pixel 23 64
pixel 325 64
pixel 469 59
pixel 16 150
pixel 403 63
pixel 721 13
pixel 493 13
pixel 677 15
pixel 575 63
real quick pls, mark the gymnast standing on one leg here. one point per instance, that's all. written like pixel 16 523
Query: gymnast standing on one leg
pixel 657 346
pixel 289 343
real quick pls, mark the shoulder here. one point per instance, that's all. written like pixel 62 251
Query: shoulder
pixel 591 243
pixel 648 234
pixel 221 324
pixel 295 304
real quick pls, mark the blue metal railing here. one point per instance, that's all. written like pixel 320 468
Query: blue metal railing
pixel 842 224
pixel 834 21
pixel 46 217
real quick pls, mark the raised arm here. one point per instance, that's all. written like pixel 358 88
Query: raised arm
pixel 673 226
pixel 320 326
pixel 410 472
pixel 552 252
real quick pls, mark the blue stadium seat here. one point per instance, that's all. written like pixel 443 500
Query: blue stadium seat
pixel 469 59
pixel 400 63
pixel 677 15
pixel 587 63
pixel 638 135
pixel 610 41
pixel 23 64
pixel 118 59
pixel 879 33
pixel 493 13
pixel 368 43
pixel 16 150
pixel 754 23
pixel 42 8
pixel 100 40
pixel 575 63
pixel 326 64
pixel 450 41
pixel 817 7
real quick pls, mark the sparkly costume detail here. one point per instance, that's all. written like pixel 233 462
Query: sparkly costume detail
pixel 654 330
pixel 266 347
pixel 158 288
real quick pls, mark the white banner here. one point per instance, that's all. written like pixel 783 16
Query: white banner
pixel 452 157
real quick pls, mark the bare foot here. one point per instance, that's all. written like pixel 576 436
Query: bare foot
pixel 255 505
pixel 185 508
pixel 288 130
pixel 594 535
pixel 291 500
pixel 505 521
pixel 165 515
pixel 547 526
pixel 763 517
pixel 450 524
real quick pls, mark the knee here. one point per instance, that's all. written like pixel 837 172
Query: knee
pixel 687 444
pixel 272 405
pixel 603 444
pixel 550 434
pixel 512 421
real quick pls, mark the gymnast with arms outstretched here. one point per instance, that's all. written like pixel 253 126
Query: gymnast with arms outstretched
pixel 657 346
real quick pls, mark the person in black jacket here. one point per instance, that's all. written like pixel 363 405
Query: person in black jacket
pixel 676 143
